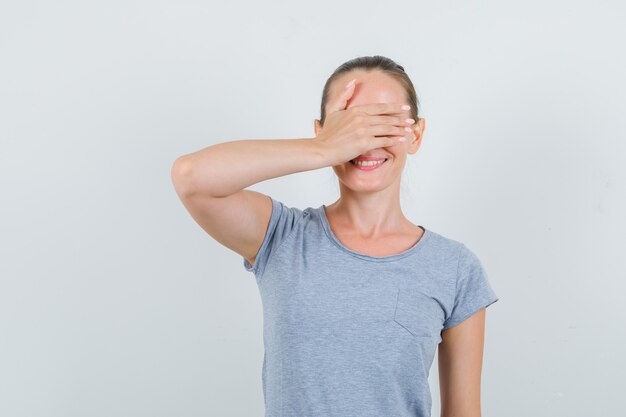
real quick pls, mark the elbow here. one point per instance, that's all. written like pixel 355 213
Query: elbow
pixel 181 174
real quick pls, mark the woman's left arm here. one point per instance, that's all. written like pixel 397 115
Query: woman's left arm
pixel 460 358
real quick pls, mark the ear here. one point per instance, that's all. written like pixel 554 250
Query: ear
pixel 418 131
pixel 317 126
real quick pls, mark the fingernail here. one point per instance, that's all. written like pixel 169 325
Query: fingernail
pixel 409 121
pixel 402 139
pixel 406 107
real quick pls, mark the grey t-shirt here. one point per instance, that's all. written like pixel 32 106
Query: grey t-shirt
pixel 352 335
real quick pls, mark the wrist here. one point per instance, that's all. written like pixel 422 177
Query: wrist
pixel 321 152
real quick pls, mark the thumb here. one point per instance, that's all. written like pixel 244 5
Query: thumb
pixel 342 101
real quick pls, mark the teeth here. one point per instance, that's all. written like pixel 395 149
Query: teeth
pixel 368 163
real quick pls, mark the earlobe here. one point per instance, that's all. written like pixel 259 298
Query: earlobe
pixel 316 126
pixel 421 124
pixel 418 134
pixel 418 129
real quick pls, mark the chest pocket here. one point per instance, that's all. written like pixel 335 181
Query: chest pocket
pixel 419 313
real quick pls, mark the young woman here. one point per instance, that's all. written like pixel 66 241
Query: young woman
pixel 356 298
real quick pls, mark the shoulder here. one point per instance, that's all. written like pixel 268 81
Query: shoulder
pixel 284 222
pixel 452 254
pixel 286 213
pixel 445 247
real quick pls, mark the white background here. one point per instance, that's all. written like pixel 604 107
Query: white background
pixel 113 302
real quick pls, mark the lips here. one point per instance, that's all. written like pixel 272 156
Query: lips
pixel 368 158
pixel 353 161
pixel 368 167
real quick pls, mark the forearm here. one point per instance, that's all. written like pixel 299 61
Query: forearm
pixel 225 168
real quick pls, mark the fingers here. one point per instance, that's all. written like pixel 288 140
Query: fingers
pixel 387 141
pixel 342 101
pixel 392 120
pixel 388 130
pixel 384 108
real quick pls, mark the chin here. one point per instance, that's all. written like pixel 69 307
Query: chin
pixel 364 186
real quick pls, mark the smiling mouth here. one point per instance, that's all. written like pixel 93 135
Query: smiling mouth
pixel 384 160
pixel 368 168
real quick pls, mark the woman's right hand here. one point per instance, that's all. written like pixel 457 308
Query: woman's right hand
pixel 348 133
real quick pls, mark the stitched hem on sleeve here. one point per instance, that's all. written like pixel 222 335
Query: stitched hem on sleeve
pixel 473 310
pixel 273 219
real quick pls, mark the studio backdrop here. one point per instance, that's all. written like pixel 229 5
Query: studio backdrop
pixel 113 302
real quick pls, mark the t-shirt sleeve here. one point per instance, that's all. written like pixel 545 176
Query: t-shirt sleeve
pixel 282 221
pixel 473 289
